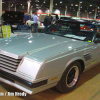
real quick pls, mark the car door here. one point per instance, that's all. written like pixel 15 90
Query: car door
pixel 97 45
pixel 92 50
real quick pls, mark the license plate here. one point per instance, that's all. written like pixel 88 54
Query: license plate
pixel 14 26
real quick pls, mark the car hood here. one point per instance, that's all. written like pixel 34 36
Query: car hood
pixel 39 45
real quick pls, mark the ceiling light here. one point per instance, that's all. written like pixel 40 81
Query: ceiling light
pixel 90 5
pixel 44 2
pixel 81 2
pixel 76 5
pixel 12 5
pixel 60 1
pixel 56 4
pixel 37 4
pixel 36 0
pixel 57 11
pixel 71 4
pixel 90 12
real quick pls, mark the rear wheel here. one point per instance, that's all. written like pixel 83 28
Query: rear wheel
pixel 69 78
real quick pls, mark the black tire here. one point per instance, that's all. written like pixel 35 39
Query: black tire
pixel 39 30
pixel 69 78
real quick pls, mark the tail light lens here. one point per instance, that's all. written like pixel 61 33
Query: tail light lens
pixel 41 24
pixel 24 21
pixel 3 23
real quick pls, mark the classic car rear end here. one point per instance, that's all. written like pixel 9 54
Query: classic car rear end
pixel 40 23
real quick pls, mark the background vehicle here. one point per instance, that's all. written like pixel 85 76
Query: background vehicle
pixel 13 18
pixel 65 18
pixel 40 23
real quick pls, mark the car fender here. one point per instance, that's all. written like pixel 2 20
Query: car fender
pixel 73 60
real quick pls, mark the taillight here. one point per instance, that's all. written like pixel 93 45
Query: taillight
pixel 3 23
pixel 41 24
pixel 24 21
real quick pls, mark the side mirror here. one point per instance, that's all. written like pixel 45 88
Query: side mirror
pixel 97 40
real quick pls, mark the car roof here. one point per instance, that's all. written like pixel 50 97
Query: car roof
pixel 77 21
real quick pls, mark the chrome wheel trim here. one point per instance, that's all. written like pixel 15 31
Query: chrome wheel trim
pixel 72 79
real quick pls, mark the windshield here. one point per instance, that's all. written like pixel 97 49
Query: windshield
pixel 74 30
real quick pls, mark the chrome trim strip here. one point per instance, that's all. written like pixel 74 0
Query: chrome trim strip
pixel 10 54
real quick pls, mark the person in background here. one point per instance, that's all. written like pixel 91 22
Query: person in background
pixel 56 17
pixel 32 16
pixel 35 19
pixel 29 17
pixel 51 18
pixel 26 17
pixel 47 21
pixel 32 25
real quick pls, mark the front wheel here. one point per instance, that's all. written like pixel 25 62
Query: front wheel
pixel 69 78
